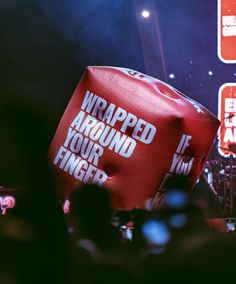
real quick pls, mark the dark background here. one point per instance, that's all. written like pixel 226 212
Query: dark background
pixel 46 45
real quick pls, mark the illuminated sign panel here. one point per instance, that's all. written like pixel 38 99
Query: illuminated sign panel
pixel 6 202
pixel 227 30
pixel 227 116
pixel 7 198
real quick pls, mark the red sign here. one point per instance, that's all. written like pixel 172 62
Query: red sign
pixel 227 30
pixel 227 116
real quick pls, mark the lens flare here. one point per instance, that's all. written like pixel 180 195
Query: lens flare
pixel 156 232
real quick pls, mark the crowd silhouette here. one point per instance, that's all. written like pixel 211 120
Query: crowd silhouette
pixel 93 243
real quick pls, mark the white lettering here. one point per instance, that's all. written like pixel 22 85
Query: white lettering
pixel 89 101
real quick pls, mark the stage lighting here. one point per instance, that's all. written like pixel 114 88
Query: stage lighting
pixel 145 13
pixel 230 224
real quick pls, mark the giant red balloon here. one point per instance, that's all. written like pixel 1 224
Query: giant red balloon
pixel 129 131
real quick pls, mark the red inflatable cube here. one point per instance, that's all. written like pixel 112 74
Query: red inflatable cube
pixel 129 132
